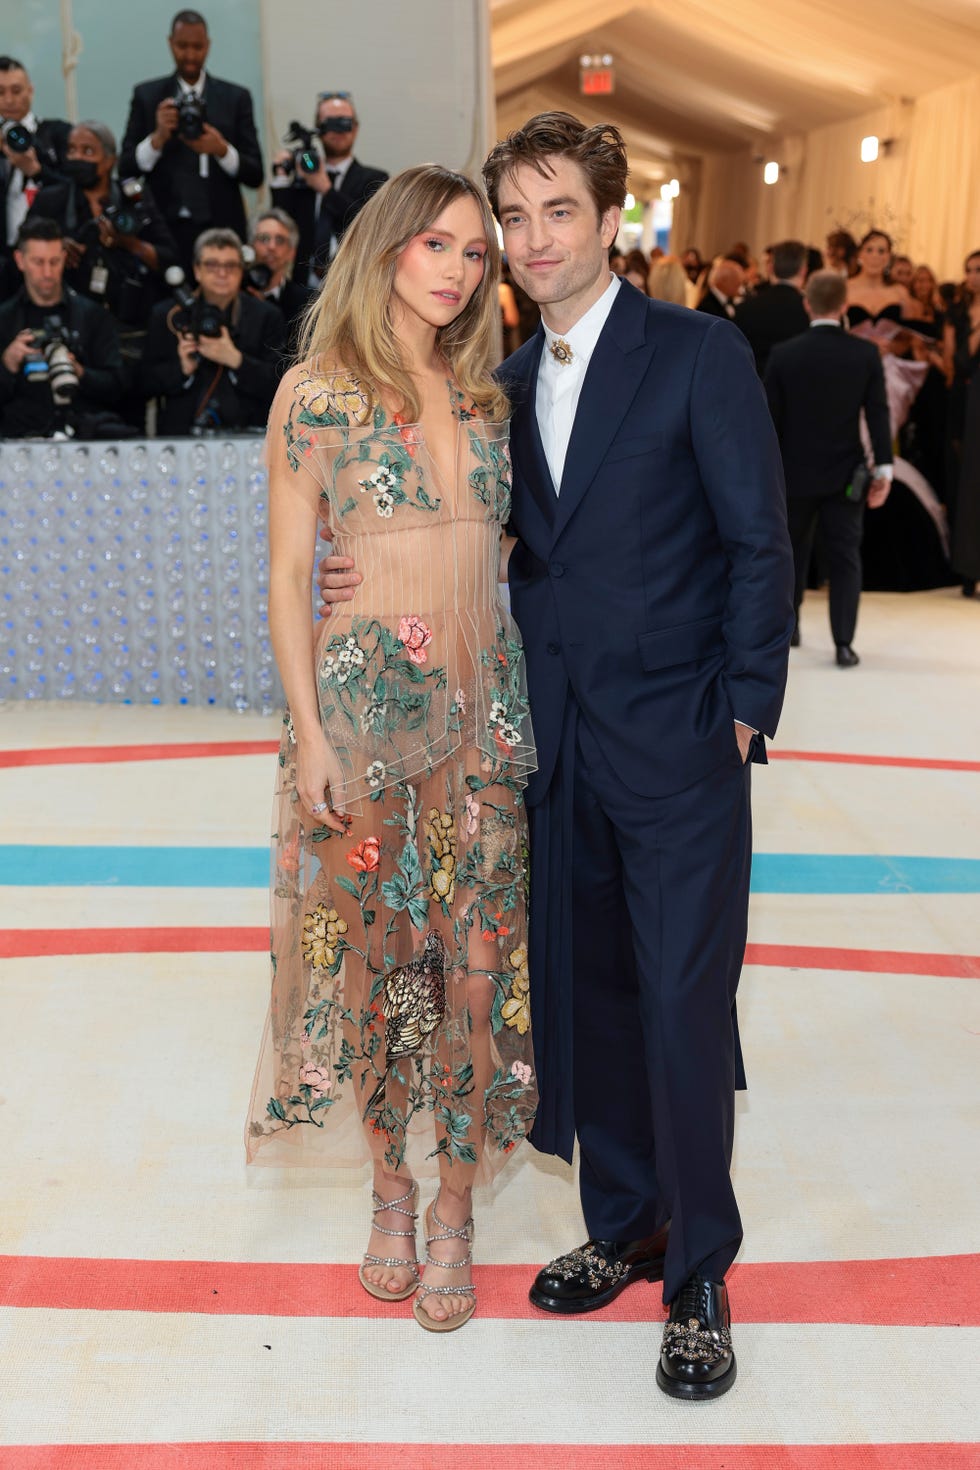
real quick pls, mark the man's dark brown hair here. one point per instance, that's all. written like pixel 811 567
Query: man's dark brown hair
pixel 599 151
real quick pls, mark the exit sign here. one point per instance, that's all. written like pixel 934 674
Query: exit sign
pixel 596 75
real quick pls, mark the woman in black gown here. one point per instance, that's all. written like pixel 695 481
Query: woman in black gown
pixel 962 346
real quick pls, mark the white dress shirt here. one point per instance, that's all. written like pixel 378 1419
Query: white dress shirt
pixel 20 191
pixel 560 384
pixel 147 157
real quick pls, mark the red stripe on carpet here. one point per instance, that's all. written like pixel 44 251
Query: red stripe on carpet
pixel 905 762
pixel 926 1291
pixel 191 750
pixel 100 755
pixel 870 961
pixel 340 1456
pixel 30 943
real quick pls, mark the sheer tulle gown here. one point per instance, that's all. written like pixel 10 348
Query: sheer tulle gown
pixel 399 1023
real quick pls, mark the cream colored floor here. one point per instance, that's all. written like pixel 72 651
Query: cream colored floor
pixel 124 1079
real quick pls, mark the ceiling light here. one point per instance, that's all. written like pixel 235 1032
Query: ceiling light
pixel 770 174
pixel 674 187
pixel 666 193
pixel 869 149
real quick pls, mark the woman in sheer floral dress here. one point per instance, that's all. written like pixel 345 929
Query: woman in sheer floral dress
pixel 399 1025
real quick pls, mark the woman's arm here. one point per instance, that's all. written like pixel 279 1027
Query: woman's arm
pixel 293 498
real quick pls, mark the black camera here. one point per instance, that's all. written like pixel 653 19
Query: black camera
pixel 194 316
pixel 304 158
pixel 128 214
pixel 192 114
pixel 17 138
pixel 54 343
pixel 257 276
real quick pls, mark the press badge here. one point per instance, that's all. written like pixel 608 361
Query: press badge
pixel 98 280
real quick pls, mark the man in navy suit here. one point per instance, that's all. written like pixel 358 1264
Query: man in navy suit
pixel 195 165
pixel 652 580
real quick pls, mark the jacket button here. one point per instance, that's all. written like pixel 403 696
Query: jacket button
pixel 554 648
pixel 556 569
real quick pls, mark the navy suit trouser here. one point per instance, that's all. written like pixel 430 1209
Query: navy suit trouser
pixel 653 895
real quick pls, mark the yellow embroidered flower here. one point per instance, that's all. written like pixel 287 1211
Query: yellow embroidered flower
pixel 336 393
pixel 440 832
pixel 322 928
pixel 516 1010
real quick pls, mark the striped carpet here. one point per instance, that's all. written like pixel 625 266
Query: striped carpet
pixel 162 1307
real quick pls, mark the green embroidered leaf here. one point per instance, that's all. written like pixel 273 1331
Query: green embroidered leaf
pixel 368 915
pixel 349 504
pixel 348 885
pixel 275 1109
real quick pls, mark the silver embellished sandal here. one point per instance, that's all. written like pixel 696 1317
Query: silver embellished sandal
pixel 397 1207
pixel 446 1232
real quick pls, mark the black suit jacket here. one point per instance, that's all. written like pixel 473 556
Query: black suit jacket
pixel 51 147
pixel 241 399
pixel 712 306
pixel 817 385
pixel 774 315
pixel 176 181
pixel 338 208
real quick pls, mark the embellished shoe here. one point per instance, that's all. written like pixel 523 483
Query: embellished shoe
pixel 397 1207
pixel 592 1276
pixel 696 1357
pixel 465 1232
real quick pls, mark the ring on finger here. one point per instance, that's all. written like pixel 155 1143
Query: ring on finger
pixel 318 807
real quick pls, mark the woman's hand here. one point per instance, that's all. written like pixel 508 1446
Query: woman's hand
pixel 320 783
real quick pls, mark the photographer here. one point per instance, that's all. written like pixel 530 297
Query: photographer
pixel 193 137
pixel 31 155
pixel 116 242
pixel 323 199
pixel 214 357
pixel 60 365
pixel 273 237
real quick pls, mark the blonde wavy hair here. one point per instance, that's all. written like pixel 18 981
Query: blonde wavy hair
pixel 350 323
pixel 667 281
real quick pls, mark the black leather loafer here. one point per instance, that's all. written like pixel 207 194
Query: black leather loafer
pixel 594 1275
pixel 696 1357
pixel 846 657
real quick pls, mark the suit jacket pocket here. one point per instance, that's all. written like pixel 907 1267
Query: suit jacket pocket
pixel 681 645
pixel 630 448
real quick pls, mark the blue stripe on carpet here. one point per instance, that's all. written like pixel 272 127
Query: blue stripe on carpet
pixel 248 867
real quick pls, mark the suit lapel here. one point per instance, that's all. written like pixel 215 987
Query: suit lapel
pixel 615 371
pixel 526 443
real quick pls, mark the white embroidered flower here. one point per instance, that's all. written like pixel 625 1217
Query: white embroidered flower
pixel 343 656
pixel 384 504
pixel 343 676
pixel 355 653
pixel 510 734
pixel 375 774
pixel 329 666
pixel 385 478
pixel 497 712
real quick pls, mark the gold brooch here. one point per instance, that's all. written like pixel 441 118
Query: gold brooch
pixel 561 351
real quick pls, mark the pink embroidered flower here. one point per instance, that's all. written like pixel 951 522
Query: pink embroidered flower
pixel 408 433
pixel 522 1072
pixel 416 637
pixel 471 817
pixel 289 856
pixel 366 856
pixel 315 1078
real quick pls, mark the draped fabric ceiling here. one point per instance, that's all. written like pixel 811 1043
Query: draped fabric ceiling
pixel 707 90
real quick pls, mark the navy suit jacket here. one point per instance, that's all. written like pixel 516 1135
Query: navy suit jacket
pixel 658 586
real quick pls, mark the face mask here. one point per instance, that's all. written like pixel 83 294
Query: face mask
pixel 82 171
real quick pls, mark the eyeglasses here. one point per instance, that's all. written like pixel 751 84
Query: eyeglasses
pixel 266 239
pixel 220 267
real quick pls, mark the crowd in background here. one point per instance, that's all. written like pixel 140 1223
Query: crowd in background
pixel 135 296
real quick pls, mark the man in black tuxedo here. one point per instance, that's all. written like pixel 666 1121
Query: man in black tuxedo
pixel 324 203
pixel 193 137
pixel 23 171
pixel 218 374
pixel 817 385
pixel 725 281
pixel 777 313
